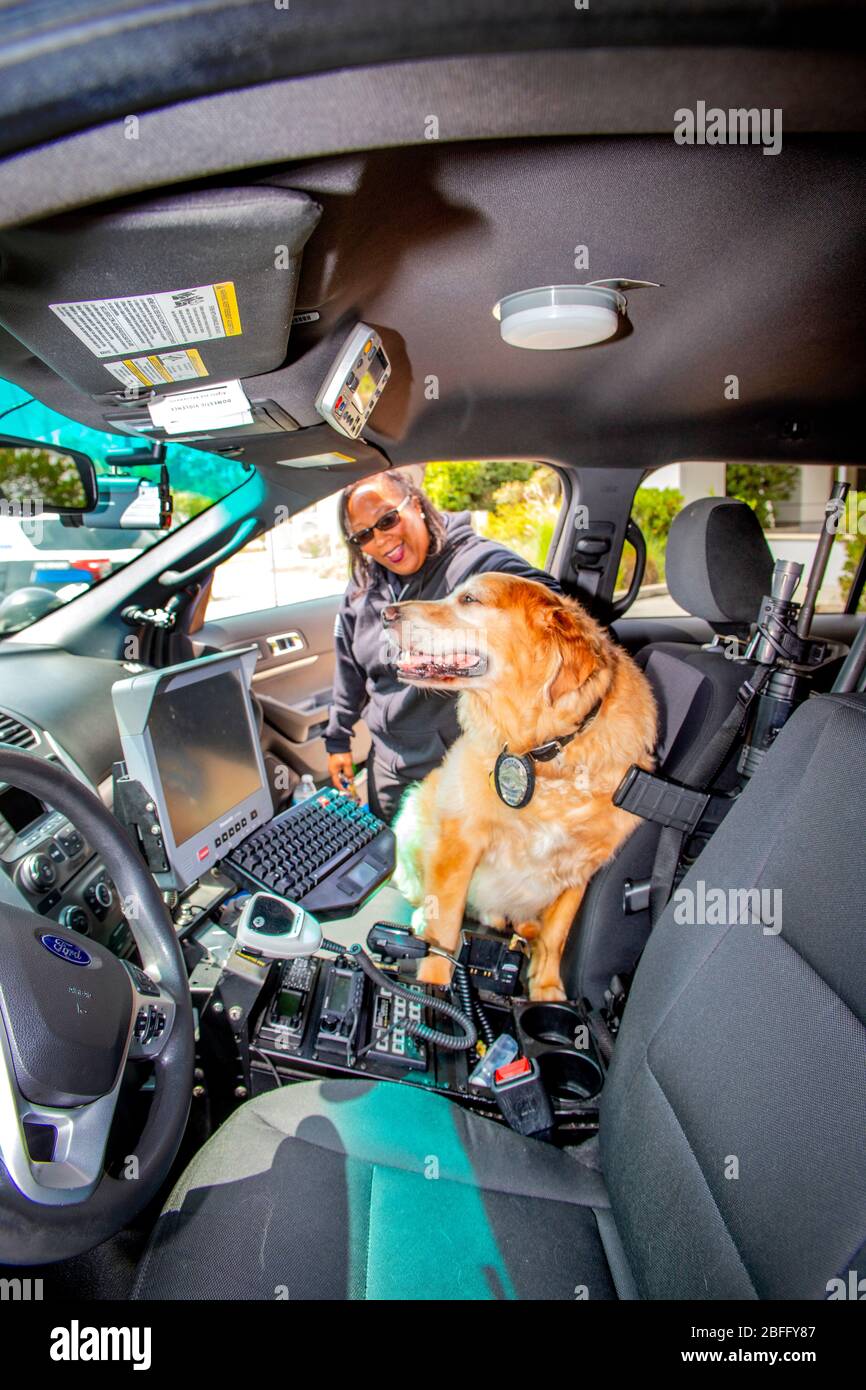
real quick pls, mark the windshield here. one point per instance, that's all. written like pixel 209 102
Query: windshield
pixel 45 562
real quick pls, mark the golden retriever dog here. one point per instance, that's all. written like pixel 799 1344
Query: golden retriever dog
pixel 532 667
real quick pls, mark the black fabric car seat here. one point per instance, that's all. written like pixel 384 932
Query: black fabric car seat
pixel 730 1155
pixel 718 567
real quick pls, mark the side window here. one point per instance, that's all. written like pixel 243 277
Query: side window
pixel 653 509
pixel 851 539
pixel 44 563
pixel 789 502
pixel 517 504
pixel 302 557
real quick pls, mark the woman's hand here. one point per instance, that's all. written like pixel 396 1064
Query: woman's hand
pixel 341 771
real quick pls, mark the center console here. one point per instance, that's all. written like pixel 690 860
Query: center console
pixel 337 995
pixel 306 1029
pixel 270 1023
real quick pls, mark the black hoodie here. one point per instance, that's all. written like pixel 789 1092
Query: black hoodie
pixel 411 728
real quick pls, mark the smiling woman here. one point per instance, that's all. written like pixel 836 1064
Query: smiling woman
pixel 387 520
pixel 400 546
pixel 45 562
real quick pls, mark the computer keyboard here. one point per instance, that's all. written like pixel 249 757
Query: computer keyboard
pixel 326 854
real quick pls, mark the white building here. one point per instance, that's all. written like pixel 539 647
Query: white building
pixel 798 521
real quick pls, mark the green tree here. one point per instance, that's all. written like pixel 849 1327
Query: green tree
pixel 762 486
pixel 40 475
pixel 471 484
pixel 853 550
pixel 653 508
pixel 524 514
pixel 185 505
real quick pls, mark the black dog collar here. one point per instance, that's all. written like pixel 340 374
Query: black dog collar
pixel 514 773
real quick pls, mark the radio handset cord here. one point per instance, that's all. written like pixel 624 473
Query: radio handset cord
pixel 450 1042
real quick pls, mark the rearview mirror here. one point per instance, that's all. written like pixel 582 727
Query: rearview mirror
pixel 37 477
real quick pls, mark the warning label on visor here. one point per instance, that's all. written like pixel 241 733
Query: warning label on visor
pixel 159 368
pixel 146 322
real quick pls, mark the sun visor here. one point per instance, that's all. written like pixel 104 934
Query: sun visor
pixel 163 295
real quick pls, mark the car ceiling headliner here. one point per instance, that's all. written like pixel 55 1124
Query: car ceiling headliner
pixel 761 260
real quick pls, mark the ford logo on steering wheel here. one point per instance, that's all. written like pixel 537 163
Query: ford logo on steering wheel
pixel 66 950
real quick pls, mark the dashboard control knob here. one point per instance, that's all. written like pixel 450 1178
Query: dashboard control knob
pixel 103 895
pixel 38 873
pixel 74 919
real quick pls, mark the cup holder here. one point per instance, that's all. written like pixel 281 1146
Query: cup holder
pixel 571 1073
pixel 553 1024
pixel 570 1076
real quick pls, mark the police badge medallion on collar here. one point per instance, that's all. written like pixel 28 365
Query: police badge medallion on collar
pixel 514 779
pixel 513 775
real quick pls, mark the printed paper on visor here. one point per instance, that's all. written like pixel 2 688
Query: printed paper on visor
pixel 212 408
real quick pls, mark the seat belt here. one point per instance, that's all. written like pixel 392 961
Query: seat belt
pixel 680 806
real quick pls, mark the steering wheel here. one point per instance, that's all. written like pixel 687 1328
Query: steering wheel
pixel 71 1015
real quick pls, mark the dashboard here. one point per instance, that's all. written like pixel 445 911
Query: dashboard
pixel 52 702
pixel 67 697
pixel 46 864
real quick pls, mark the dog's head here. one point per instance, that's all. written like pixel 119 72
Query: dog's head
pixel 495 632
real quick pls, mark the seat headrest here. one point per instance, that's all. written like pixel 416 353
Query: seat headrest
pixel 718 565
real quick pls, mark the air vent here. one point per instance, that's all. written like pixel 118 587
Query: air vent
pixel 16 734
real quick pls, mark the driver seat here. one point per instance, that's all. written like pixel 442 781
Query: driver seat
pixel 729 1161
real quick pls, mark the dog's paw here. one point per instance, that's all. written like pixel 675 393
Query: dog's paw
pixel 528 930
pixel 435 970
pixel 539 992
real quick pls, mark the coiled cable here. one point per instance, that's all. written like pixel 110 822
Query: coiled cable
pixel 472 1006
pixel 414 1028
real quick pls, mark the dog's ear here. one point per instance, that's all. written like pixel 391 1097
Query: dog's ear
pixel 576 657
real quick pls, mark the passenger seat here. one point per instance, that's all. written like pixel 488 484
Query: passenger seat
pixel 731 1126
pixel 718 567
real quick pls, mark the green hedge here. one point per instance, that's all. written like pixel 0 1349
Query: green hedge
pixel 853 550
pixel 653 508
pixel 761 486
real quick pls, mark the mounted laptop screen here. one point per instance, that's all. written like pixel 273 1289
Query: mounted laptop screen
pixel 204 752
pixel 190 737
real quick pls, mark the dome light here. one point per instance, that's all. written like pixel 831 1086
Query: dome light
pixel 560 316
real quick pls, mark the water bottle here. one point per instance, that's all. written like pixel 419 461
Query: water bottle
pixel 305 788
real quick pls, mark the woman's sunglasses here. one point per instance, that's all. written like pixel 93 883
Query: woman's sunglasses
pixel 387 521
